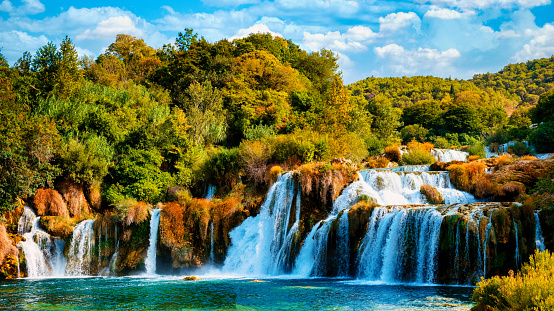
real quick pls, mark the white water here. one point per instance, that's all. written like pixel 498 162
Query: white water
pixel 212 251
pixel 81 249
pixel 485 247
pixel 210 192
pixel 392 233
pixel 150 261
pixel 539 239
pixel 517 256
pixel 448 155
pixel 343 246
pixel 261 244
pixel 43 254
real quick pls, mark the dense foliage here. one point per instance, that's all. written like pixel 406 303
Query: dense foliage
pixel 137 121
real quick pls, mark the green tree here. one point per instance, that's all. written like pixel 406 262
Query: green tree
pixel 186 39
pixel 544 111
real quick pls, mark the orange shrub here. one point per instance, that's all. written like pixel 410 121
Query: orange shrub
pixel 503 160
pixel 485 187
pixel 381 162
pixel 510 191
pixel 473 158
pixel 274 172
pixel 432 194
pixel 393 153
pixel 6 245
pixel 465 175
pixel 49 202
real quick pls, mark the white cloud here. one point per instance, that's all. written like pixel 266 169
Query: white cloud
pixel 109 28
pixel 256 28
pixel 84 52
pixel 14 43
pixel 447 14
pixel 484 4
pixel 420 61
pixel 395 21
pixel 6 6
pixel 29 7
pixel 542 44
pixel 228 3
pixel 354 40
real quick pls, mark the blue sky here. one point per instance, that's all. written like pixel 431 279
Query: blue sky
pixel 446 38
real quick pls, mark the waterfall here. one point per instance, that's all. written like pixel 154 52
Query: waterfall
pixel 343 245
pixel 81 249
pixel 110 269
pixel 212 243
pixel 448 155
pixel 390 187
pixel 210 191
pixel 517 257
pixel 43 254
pixel 400 245
pixel 539 239
pixel 259 243
pixel 485 247
pixel 150 261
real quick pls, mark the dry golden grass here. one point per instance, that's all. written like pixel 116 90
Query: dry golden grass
pixel 274 172
pixel 380 162
pixel 473 158
pixel 49 202
pixel 510 191
pixel 486 187
pixel 393 153
pixel 465 175
pixel 432 194
pixel 74 195
pixel 131 212
pixel 503 160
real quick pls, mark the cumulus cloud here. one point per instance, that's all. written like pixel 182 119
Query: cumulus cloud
pixel 420 61
pixel 447 14
pixel 14 43
pixel 256 28
pixel 483 4
pixel 540 46
pixel 228 3
pixel 109 28
pixel 396 21
pixel 354 40
pixel 29 7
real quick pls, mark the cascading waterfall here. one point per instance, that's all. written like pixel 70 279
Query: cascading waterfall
pixel 485 247
pixel 343 245
pixel 210 192
pixel 261 244
pixel 81 249
pixel 44 254
pixel 539 239
pixel 150 261
pixel 399 240
pixel 212 253
pixel 448 155
pixel 517 256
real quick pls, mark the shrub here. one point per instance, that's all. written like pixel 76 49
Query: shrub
pixel 130 212
pixel 418 154
pixel 413 132
pixel 465 175
pixel 255 156
pixel 510 191
pixel 393 153
pixel 442 143
pixel 542 138
pixel 6 245
pixel 49 202
pixel 381 162
pixel 375 146
pixel 530 289
pixel 520 149
pixel 259 132
pixel 274 172
pixel 432 194
pixel 223 168
pixel 477 149
pixel 86 161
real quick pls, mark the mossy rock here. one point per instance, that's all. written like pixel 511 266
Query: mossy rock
pixel 191 278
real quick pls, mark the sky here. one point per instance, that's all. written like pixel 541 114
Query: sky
pixel 445 38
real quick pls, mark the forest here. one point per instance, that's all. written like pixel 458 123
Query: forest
pixel 137 121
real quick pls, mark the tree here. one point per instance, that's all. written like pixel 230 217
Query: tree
pixel 414 131
pixel 462 118
pixel 68 72
pixel 186 39
pixel 45 64
pixel 387 118
pixel 203 106
pixel 544 111
pixel 427 113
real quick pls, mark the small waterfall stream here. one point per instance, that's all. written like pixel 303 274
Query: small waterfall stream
pixel 539 239
pixel 43 253
pixel 81 249
pixel 448 155
pixel 150 261
pixel 517 258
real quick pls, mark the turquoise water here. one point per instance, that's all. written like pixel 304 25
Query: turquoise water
pixel 130 293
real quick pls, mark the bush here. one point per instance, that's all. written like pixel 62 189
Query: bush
pixel 520 148
pixel 381 162
pixel 432 194
pixel 375 146
pixel 86 161
pixel 130 212
pixel 465 175
pixel 393 153
pixel 414 131
pixel 442 143
pixel 477 149
pixel 530 289
pixel 542 138
pixel 223 168
pixel 418 154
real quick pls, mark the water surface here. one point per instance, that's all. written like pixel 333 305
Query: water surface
pixel 132 293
